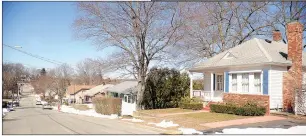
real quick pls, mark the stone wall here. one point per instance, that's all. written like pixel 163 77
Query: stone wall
pixel 241 99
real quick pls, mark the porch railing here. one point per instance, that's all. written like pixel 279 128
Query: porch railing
pixel 205 95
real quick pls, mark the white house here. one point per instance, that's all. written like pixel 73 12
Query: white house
pixel 126 90
pixel 255 67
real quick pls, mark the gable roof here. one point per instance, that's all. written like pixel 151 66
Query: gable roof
pixel 73 89
pixel 252 52
pixel 97 89
pixel 124 87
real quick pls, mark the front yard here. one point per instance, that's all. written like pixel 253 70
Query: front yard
pixel 185 118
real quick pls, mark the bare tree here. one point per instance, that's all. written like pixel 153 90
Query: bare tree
pixel 286 12
pixel 12 73
pixel 141 30
pixel 213 27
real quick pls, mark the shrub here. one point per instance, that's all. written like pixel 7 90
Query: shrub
pixel 247 110
pixel 107 105
pixel 191 103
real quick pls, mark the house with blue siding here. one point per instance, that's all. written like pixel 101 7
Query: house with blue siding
pixel 255 67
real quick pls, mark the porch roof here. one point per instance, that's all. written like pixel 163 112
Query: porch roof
pixel 124 87
pixel 252 52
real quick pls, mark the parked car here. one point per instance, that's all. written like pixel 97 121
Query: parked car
pixel 47 106
pixel 8 105
pixel 4 112
pixel 16 103
pixel 38 102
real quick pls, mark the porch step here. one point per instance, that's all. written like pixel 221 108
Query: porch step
pixel 207 105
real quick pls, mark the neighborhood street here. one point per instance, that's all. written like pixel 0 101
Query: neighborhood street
pixel 32 119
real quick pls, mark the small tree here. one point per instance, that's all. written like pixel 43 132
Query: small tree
pixel 165 88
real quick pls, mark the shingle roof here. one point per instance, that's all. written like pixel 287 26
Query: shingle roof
pixel 124 87
pixel 254 51
pixel 72 89
pixel 97 89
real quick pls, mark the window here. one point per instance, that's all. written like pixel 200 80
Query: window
pixel 257 82
pixel 245 82
pixel 234 82
pixel 219 82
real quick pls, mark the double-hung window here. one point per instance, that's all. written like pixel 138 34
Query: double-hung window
pixel 257 82
pixel 220 82
pixel 234 82
pixel 245 82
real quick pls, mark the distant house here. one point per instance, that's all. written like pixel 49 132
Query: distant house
pixel 257 70
pixel 97 91
pixel 126 90
pixel 75 93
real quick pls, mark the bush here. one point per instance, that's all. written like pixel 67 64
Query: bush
pixel 107 105
pixel 191 103
pixel 246 110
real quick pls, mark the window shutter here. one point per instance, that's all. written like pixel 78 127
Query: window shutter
pixel 214 82
pixel 226 82
pixel 265 81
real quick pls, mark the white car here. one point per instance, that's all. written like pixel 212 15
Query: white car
pixel 38 102
pixel 4 112
pixel 47 106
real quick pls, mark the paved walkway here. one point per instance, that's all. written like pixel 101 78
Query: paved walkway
pixel 242 121
pixel 181 113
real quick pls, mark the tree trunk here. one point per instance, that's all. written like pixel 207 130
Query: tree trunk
pixel 140 89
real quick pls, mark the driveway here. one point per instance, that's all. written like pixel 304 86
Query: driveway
pixel 32 119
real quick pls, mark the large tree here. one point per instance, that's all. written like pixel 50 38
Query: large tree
pixel 140 30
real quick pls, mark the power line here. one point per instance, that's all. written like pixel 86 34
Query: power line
pixel 35 56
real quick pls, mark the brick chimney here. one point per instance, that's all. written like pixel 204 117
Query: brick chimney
pixel 277 35
pixel 292 79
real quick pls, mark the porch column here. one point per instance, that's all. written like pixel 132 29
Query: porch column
pixel 211 86
pixel 191 84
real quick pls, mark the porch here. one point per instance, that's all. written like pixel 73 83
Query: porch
pixel 213 86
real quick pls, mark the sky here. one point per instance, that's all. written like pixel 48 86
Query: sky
pixel 44 29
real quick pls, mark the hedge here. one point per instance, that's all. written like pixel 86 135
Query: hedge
pixel 246 110
pixel 191 103
pixel 107 105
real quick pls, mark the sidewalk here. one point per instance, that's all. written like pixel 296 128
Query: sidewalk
pixel 242 121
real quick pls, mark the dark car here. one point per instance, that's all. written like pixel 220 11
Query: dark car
pixel 8 105
pixel 16 103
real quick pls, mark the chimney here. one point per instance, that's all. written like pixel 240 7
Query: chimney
pixel 277 35
pixel 292 79
pixel 295 37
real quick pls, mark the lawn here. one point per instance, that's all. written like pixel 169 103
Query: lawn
pixel 80 107
pixel 165 111
pixel 193 120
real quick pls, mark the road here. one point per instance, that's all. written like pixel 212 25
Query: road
pixel 32 119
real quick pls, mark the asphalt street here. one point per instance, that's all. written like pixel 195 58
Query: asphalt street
pixel 32 119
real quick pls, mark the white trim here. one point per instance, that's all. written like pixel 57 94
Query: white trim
pixel 211 85
pixel 248 71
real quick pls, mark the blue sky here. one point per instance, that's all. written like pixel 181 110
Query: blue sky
pixel 44 29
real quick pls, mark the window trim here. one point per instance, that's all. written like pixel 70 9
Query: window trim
pixel 251 82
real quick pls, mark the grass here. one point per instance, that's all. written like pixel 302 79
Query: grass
pixel 165 111
pixel 193 120
pixel 80 107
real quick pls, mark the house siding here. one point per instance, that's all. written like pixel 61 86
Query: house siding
pixel 276 86
pixel 207 81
